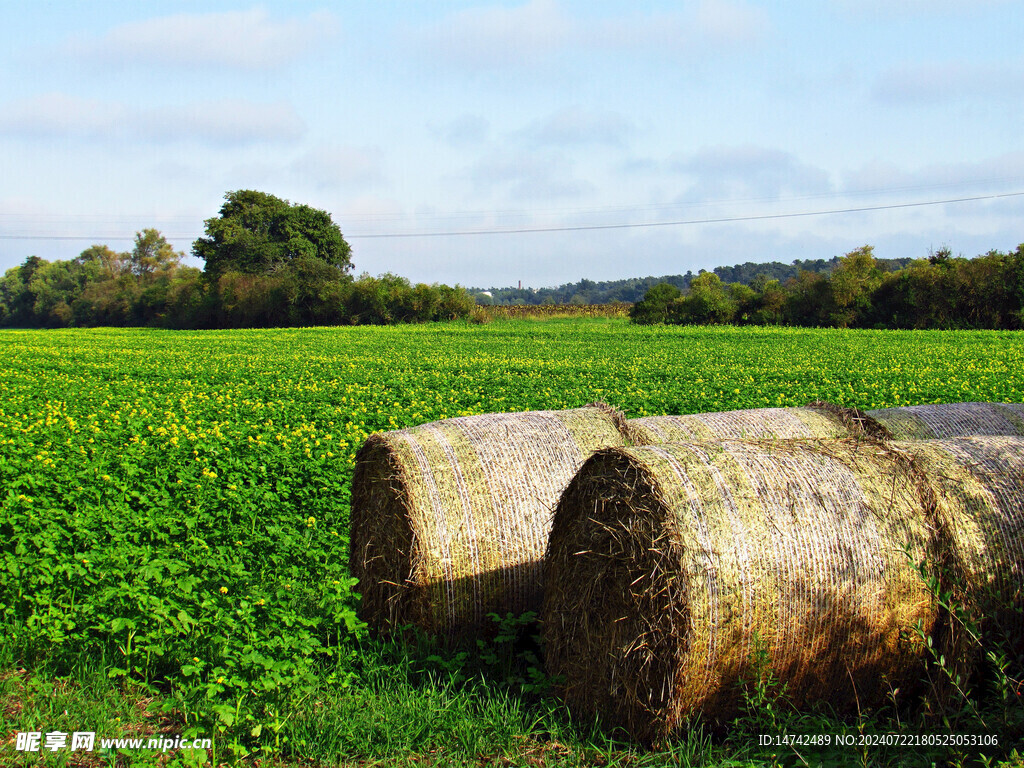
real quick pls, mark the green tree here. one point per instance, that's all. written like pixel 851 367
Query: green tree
pixel 257 233
pixel 152 256
pixel 770 304
pixel 1015 285
pixel 111 262
pixel 708 302
pixel 745 300
pixel 852 282
pixel 808 295
pixel 654 307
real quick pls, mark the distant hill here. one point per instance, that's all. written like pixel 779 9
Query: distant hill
pixel 633 289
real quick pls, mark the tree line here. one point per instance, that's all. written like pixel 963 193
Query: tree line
pixel 268 263
pixel 941 291
pixel 633 289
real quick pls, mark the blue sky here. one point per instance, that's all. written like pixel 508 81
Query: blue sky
pixel 425 118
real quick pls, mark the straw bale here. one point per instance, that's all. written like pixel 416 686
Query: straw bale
pixel 450 519
pixel 670 566
pixel 825 420
pixel 942 420
pixel 979 484
pixel 817 420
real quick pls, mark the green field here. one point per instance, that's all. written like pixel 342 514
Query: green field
pixel 174 525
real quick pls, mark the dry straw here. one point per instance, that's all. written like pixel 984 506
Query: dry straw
pixel 979 487
pixel 450 519
pixel 944 420
pixel 670 567
pixel 817 420
pixel 824 420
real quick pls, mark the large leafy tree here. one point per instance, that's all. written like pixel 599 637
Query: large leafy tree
pixel 260 234
pixel 152 256
pixel 709 301
pixel 655 305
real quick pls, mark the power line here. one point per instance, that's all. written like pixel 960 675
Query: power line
pixel 93 238
pixel 581 227
pixel 684 222
pixel 126 218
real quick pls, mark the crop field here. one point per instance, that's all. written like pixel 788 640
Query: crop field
pixel 174 531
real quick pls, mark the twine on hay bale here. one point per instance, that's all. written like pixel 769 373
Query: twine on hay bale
pixel 979 484
pixel 825 420
pixel 816 420
pixel 450 519
pixel 943 420
pixel 669 566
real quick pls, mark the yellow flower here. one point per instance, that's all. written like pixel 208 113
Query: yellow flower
pixel 223 590
pixel 261 601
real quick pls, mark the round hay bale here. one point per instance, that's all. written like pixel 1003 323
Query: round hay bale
pixel 979 485
pixel 942 420
pixel 825 420
pixel 816 420
pixel 450 519
pixel 671 567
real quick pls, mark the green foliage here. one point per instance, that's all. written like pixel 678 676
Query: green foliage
pixel 655 305
pixel 707 303
pixel 149 286
pixel 632 290
pixel 861 291
pixel 508 655
pixel 257 233
pixel 144 286
pixel 389 298
pixel 852 282
pixel 151 256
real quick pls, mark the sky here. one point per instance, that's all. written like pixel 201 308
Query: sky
pixel 541 142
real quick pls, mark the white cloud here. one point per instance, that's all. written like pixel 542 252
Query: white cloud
pixel 976 177
pixel 367 209
pixel 224 122
pixel 526 176
pixel 497 35
pixel 913 7
pixel 748 172
pixel 249 39
pixel 338 166
pixel 54 115
pixel 575 125
pixel 707 25
pixel 531 33
pixel 723 21
pixel 938 82
pixel 463 131
pixel 228 121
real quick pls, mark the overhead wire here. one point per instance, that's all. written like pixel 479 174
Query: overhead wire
pixel 584 227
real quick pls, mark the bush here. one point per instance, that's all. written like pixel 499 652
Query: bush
pixel 654 307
